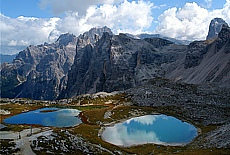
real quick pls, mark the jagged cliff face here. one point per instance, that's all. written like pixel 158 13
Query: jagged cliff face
pixel 206 62
pixel 39 72
pixel 97 61
pixel 118 62
pixel 215 27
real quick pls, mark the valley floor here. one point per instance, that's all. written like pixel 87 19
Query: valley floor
pixel 207 107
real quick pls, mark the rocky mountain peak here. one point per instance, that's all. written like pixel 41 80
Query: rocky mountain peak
pixel 95 32
pixel 215 27
pixel 99 31
pixel 65 39
pixel 98 61
pixel 92 36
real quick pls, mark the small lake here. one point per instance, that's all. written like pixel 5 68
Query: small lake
pixel 56 117
pixel 158 129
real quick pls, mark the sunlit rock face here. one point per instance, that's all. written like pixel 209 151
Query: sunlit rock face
pixel 215 27
pixel 206 61
pixel 100 61
pixel 39 72
pixel 119 62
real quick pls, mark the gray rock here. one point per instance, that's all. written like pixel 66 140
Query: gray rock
pixel 215 27
pixel 100 61
pixel 39 72
pixel 119 62
pixel 206 62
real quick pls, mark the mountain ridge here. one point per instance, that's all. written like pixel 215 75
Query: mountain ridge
pixel 98 60
pixel 208 63
pixel 39 72
pixel 146 35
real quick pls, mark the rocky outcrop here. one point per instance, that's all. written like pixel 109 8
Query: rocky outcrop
pixel 215 27
pixel 92 36
pixel 206 62
pixel 119 62
pixel 39 72
pixel 100 61
pixel 158 42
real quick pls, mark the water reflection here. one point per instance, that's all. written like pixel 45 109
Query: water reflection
pixel 47 117
pixel 159 129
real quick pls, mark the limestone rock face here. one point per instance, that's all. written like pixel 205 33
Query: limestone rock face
pixel 119 62
pixel 100 61
pixel 206 62
pixel 215 27
pixel 39 72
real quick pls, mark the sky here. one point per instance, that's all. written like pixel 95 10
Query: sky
pixel 33 22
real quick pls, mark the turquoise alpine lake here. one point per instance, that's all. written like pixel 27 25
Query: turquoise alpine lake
pixel 56 117
pixel 157 129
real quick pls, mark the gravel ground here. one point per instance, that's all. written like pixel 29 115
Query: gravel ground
pixel 203 104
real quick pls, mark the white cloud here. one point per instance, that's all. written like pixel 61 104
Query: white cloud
pixel 12 43
pixel 126 17
pixel 145 120
pixel 132 17
pixel 123 135
pixel 180 23
pixel 190 22
pixel 24 31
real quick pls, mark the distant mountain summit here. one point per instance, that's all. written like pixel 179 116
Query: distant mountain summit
pixel 39 72
pixel 206 62
pixel 98 60
pixel 145 35
pixel 215 27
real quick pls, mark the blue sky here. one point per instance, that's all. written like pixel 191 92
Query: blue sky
pixel 30 8
pixel 25 22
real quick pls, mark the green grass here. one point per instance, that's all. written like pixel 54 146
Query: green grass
pixel 93 117
pixel 91 107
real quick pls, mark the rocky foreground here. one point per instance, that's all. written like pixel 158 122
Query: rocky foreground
pixel 206 105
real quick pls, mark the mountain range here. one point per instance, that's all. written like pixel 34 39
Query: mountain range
pixel 98 61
